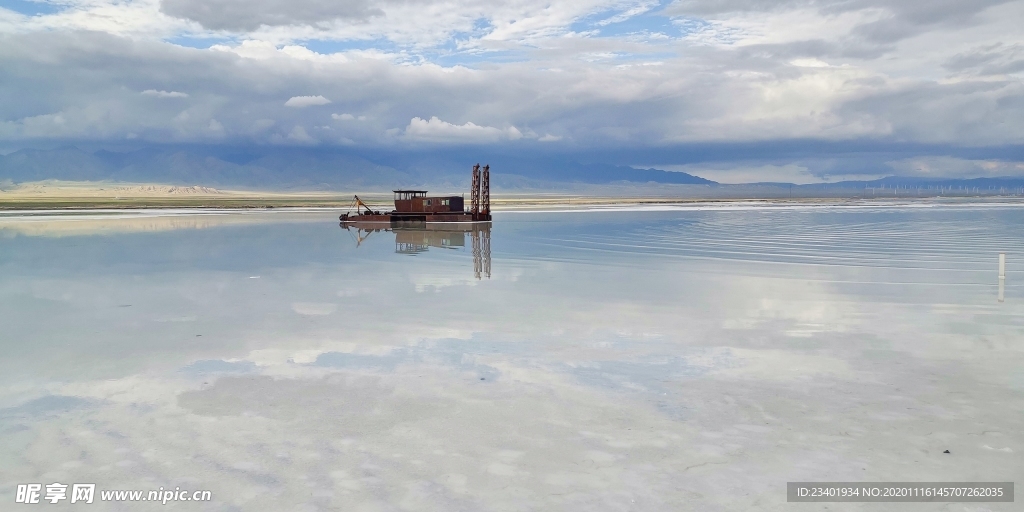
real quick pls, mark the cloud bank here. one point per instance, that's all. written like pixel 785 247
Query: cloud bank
pixel 164 94
pixel 575 76
pixel 306 101
pixel 436 130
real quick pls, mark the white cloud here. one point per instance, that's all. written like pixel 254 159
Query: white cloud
pixel 164 94
pixel 262 124
pixel 306 101
pixel 763 173
pixel 629 12
pixel 215 127
pixel 436 130
pixel 348 117
pixel 550 138
pixel 809 63
pixel 299 134
pixel 950 167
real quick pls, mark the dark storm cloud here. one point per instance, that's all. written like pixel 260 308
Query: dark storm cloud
pixel 903 18
pixel 245 15
pixel 911 17
pixel 994 59
pixel 909 10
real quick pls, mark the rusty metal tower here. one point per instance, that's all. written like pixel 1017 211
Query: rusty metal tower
pixel 474 192
pixel 485 191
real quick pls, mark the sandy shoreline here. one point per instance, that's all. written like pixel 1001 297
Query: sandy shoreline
pixel 100 220
pixel 62 195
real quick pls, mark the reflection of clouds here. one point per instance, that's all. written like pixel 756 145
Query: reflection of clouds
pixel 359 437
pixel 793 307
pixel 49 405
pixel 352 292
pixel 595 380
pixel 139 221
pixel 314 308
pixel 769 365
pixel 215 366
pixel 189 318
pixel 438 283
pixel 357 404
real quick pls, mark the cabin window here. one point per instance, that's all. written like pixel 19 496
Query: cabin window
pixel 428 202
pixel 444 202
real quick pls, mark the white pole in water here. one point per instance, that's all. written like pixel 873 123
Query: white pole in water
pixel 1002 275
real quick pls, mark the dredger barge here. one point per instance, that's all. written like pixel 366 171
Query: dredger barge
pixel 414 207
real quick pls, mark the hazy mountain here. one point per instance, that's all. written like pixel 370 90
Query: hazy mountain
pixel 67 163
pixel 301 168
pixel 913 182
pixel 333 169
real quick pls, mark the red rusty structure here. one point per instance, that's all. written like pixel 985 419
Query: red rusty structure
pixel 474 191
pixel 414 207
pixel 485 192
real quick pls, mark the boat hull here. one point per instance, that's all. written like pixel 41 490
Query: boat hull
pixel 412 219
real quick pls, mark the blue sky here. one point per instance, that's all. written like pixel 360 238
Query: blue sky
pixel 648 81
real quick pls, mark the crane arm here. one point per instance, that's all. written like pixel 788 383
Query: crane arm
pixel 359 202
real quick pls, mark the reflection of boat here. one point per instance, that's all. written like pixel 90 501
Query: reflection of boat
pixel 416 240
pixel 414 208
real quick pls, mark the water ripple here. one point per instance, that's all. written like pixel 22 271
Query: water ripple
pixel 953 240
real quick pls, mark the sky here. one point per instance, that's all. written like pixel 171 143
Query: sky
pixel 851 88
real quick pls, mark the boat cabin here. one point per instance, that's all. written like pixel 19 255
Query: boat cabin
pixel 416 201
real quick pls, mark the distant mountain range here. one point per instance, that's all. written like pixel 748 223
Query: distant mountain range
pixel 301 168
pixel 280 168
pixel 912 182
pixel 190 167
pixel 896 186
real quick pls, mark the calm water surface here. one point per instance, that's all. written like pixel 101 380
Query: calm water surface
pixel 668 359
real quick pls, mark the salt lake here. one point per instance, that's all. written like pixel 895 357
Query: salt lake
pixel 692 357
